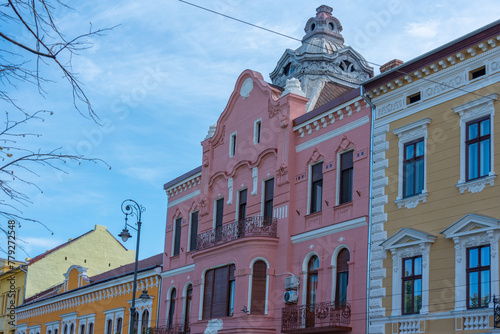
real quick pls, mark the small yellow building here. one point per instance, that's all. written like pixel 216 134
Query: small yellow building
pixel 98 250
pixel 12 281
pixel 97 304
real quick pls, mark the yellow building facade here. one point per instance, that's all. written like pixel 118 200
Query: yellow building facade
pixel 98 304
pixel 435 221
pixel 98 250
pixel 12 281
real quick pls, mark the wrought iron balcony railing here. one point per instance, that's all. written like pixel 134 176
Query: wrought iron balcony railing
pixel 175 329
pixel 496 312
pixel 304 318
pixel 251 226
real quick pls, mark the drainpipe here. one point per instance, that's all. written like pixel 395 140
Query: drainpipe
pixel 159 300
pixel 368 258
pixel 25 280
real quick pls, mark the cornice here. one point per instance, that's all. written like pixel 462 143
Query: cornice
pixel 186 184
pixel 464 56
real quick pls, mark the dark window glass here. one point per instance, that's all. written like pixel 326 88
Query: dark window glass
pixel 136 322
pixel 316 187
pixel 194 230
pixel 72 329
pixel 346 174
pixel 413 168
pixel 145 322
pixel 110 327
pixel 412 285
pixel 258 127
pixel 259 278
pixel 219 213
pixel 413 98
pixel 119 324
pixel 477 73
pixel 478 148
pixel 342 277
pixel 242 208
pixel 268 198
pixel 218 296
pixel 82 329
pixel 171 309
pixel 233 145
pixel 478 276
pixel 177 239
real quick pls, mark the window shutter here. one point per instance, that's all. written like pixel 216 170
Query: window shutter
pixel 220 295
pixel 207 295
pixel 259 287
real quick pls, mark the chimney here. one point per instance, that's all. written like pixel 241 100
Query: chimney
pixel 390 65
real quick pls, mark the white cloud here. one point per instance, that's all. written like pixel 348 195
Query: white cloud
pixel 423 30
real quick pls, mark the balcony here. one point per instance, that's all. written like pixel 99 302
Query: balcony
pixel 256 226
pixel 175 329
pixel 316 318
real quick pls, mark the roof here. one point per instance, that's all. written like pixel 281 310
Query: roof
pixel 331 91
pixel 182 177
pixel 443 51
pixel 43 255
pixel 327 106
pixel 128 269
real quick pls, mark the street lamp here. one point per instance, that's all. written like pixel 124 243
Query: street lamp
pixel 132 208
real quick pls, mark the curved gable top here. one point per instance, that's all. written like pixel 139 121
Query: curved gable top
pixel 243 89
pixel 407 237
pixel 471 224
pixel 81 270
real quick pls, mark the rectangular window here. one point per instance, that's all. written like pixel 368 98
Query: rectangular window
pixel 268 198
pixel 177 237
pixel 346 177
pixel 316 187
pixel 412 285
pixel 218 295
pixel 194 231
pixel 257 127
pixel 477 73
pixel 219 213
pixel 478 148
pixel 242 205
pixel 232 145
pixel 413 168
pixel 478 276
pixel 413 98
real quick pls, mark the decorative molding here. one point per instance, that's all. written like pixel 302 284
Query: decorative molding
pixel 412 201
pixel 186 184
pixel 184 198
pixel 177 271
pixel 476 186
pixel 324 231
pixel 282 175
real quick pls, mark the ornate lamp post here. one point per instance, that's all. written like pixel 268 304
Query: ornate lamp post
pixel 132 208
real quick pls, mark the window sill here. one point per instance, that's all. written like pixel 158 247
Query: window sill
pixel 411 202
pixel 476 186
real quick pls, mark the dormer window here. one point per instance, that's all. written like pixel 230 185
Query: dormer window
pixel 346 66
pixel 331 26
pixel 313 26
pixel 413 98
pixel 288 69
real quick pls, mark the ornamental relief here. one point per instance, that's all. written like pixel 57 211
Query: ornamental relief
pixel 390 107
pixel 444 86
pixel 477 111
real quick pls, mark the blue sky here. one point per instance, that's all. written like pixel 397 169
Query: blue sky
pixel 164 74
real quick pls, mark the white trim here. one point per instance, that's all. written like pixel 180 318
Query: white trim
pixel 327 230
pixel 305 263
pixel 337 191
pixel 470 111
pixel 190 228
pixel 174 230
pixel 334 268
pixel 472 231
pixel 168 301
pixel 232 144
pixel 215 211
pixel 177 271
pixel 255 178
pixel 183 198
pixel 250 281
pixel 230 191
pixel 184 302
pixel 263 195
pixel 237 208
pixel 332 134
pixel 255 132
pixel 406 134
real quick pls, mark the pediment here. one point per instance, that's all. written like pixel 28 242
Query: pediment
pixel 471 224
pixel 406 237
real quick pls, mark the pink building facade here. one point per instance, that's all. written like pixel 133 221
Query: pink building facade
pixel 270 233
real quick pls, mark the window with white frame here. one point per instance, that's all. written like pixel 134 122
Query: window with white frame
pixel 412 172
pixel 476 144
pixel 475 239
pixel 86 323
pixel 258 287
pixel 177 236
pixel 193 231
pixel 316 187
pixel 410 250
pixel 52 327
pixel 257 129
pixel 232 144
pixel 346 177
pixel 111 319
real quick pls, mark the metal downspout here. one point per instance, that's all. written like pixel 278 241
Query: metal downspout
pixel 368 258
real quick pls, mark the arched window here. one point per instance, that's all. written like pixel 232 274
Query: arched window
pixel 145 322
pixel 312 288
pixel 91 328
pixel 56 331
pixel 118 325
pixel 110 327
pixel 136 321
pixel 82 329
pixel 65 329
pixel 171 309
pixel 258 303
pixel 342 277
pixel 72 329
pixel 189 296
